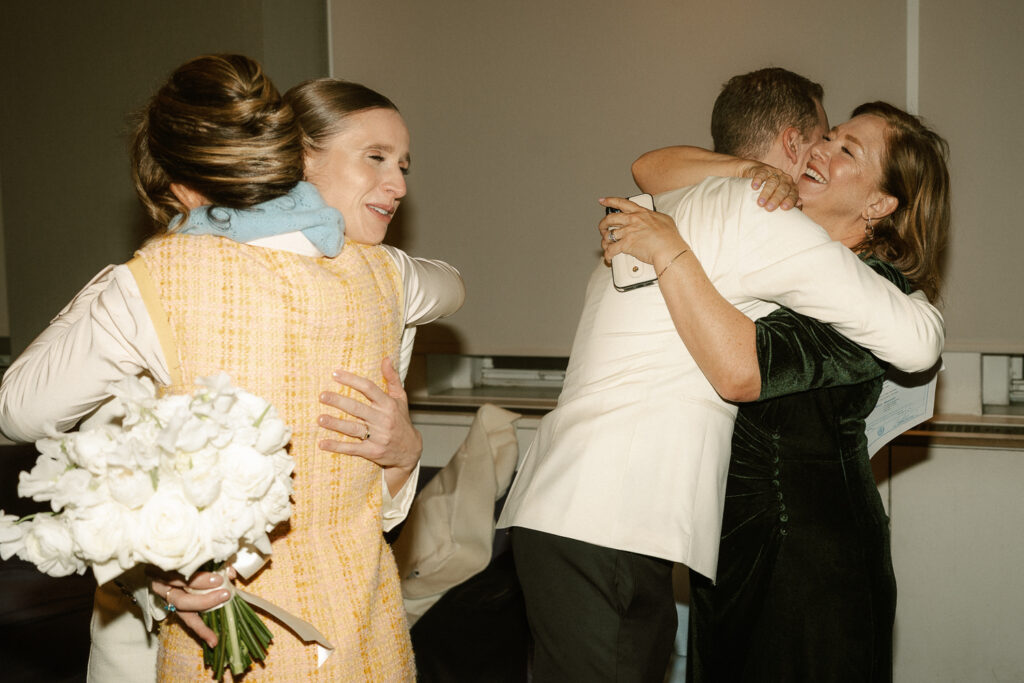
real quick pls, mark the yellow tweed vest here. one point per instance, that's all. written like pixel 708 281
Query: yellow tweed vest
pixel 278 323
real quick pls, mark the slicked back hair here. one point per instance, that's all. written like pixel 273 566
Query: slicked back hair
pixel 754 108
pixel 321 105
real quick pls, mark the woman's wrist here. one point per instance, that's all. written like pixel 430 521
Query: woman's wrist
pixel 670 262
pixel 666 253
pixel 746 168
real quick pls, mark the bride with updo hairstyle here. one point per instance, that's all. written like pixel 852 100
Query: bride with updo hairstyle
pixel 219 128
pixel 282 285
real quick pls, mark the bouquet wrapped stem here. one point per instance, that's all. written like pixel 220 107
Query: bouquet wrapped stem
pixel 242 637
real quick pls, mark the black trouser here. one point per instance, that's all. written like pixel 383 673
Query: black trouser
pixel 596 614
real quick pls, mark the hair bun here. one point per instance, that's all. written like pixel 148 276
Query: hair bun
pixel 220 127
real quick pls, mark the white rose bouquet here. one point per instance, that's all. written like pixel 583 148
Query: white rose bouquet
pixel 182 481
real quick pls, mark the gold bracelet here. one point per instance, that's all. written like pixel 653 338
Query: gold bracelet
pixel 667 265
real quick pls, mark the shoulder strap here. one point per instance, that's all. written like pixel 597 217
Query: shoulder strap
pixel 148 290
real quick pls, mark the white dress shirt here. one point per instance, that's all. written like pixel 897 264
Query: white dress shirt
pixel 636 453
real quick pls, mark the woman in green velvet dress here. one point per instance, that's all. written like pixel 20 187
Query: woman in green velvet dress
pixel 805 588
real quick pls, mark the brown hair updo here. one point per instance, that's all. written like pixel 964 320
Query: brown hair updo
pixel 219 127
pixel 914 171
pixel 321 105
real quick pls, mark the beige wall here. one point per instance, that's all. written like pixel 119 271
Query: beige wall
pixel 71 74
pixel 523 113
pixel 973 91
pixel 956 518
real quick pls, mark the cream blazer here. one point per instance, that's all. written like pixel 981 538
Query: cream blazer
pixel 635 455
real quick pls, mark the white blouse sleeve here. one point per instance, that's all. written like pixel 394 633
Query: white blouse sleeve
pixel 433 289
pixel 395 509
pixel 103 335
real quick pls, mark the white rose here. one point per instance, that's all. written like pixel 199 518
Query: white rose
pixel 172 423
pixel 137 449
pixel 247 472
pixel 284 464
pixel 217 384
pixel 171 405
pixel 173 464
pixel 195 433
pixel 250 407
pixel 130 488
pixel 274 434
pixel 101 532
pixel 243 435
pixel 201 482
pixel 223 437
pixel 228 521
pixel 89 449
pixel 172 415
pixel 48 545
pixel 205 458
pixel 222 404
pixel 276 504
pixel 11 535
pixel 78 488
pixel 168 533
pixel 41 483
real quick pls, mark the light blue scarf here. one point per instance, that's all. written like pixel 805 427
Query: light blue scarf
pixel 302 209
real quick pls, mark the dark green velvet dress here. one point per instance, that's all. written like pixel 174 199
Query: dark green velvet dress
pixel 805 590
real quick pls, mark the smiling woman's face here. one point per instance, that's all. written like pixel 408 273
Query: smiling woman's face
pixel 361 172
pixel 843 175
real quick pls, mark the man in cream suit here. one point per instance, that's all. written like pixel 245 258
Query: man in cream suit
pixel 627 475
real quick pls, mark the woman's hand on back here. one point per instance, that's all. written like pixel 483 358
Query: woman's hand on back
pixel 384 429
pixel 648 235
pixel 778 189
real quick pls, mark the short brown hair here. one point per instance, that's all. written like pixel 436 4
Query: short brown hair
pixel 914 171
pixel 321 105
pixel 220 127
pixel 754 108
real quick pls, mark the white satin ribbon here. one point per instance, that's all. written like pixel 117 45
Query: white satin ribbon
pixel 246 563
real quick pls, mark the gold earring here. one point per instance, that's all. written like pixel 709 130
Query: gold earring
pixel 869 231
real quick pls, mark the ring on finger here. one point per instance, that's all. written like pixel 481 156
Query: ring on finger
pixel 365 436
pixel 611 235
pixel 168 607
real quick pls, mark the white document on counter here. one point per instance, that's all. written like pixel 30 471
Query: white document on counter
pixel 906 401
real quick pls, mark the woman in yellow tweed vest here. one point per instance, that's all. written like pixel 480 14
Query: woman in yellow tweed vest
pixel 252 279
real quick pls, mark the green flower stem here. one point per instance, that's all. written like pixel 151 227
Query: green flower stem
pixel 234 651
pixel 222 646
pixel 257 636
pixel 251 644
pixel 209 620
pixel 262 415
pixel 242 637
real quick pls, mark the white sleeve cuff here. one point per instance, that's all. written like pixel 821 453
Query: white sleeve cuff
pixel 395 509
